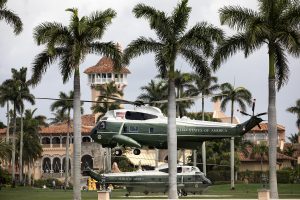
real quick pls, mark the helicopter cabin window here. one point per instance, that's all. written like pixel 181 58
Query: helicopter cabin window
pixel 133 129
pixel 102 125
pixel 151 130
pixel 179 169
pixel 138 116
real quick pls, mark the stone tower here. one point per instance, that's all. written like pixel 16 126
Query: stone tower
pixel 103 73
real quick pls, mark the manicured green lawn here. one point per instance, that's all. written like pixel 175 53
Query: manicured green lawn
pixel 249 191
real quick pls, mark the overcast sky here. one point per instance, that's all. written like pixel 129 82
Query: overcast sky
pixel 251 73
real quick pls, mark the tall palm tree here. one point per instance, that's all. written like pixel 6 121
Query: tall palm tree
pixel 15 91
pixel 275 24
pixel 173 40
pixel 32 147
pixel 64 105
pixel 229 94
pixel 2 104
pixel 203 85
pixel 296 110
pixel 70 45
pixel 21 77
pixel 10 17
pixel 107 90
pixel 155 91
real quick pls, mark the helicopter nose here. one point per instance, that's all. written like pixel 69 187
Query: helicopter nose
pixel 94 133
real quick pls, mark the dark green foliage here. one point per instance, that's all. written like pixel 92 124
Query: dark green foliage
pixel 218 175
pixel 5 176
pixel 2 125
pixel 10 17
pixel 198 116
pixel 48 183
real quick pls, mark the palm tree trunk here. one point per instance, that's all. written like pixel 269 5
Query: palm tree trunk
pixel 29 173
pixel 203 143
pixel 232 151
pixel 21 151
pixel 7 128
pixel 14 148
pixel 77 136
pixel 67 153
pixel 172 137
pixel 272 123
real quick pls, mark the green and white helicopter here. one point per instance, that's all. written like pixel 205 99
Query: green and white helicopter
pixel 146 126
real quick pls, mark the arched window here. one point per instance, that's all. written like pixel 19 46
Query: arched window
pixel 86 160
pixel 86 139
pixel 46 142
pixel 56 165
pixel 64 165
pixel 55 142
pixel 46 165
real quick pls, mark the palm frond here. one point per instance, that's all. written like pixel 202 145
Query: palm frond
pixel 282 70
pixel 197 61
pixel 229 47
pixel 237 17
pixel 11 18
pixel 180 18
pixel 99 20
pixel 108 49
pixel 40 64
pixel 140 46
pixel 157 19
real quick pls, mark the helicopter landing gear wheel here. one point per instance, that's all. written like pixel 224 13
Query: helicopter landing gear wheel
pixel 118 152
pixel 136 152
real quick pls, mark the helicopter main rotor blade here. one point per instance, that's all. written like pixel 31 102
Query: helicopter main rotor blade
pixel 260 114
pixel 123 101
pixel 192 98
pixel 244 113
pixel 56 99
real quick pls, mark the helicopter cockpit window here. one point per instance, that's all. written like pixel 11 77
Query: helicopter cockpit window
pixel 139 116
pixel 102 125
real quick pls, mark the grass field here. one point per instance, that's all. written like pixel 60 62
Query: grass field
pixel 242 191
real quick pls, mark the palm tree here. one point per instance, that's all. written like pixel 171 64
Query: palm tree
pixel 64 105
pixel 173 40
pixel 32 147
pixel 276 24
pixel 15 91
pixel 155 91
pixel 293 138
pixel 70 45
pixel 10 17
pixel 2 103
pixel 107 90
pixel 229 94
pixel 21 77
pixel 296 110
pixel 262 151
pixel 203 85
pixel 58 117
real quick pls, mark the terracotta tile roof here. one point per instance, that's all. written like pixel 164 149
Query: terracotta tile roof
pixel 264 128
pixel 87 123
pixel 105 65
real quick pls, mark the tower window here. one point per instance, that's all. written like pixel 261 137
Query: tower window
pixel 103 75
pixel 109 75
pixel 116 75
